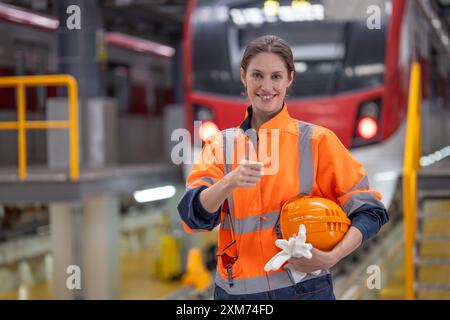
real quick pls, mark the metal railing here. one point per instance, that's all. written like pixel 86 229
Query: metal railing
pixel 410 167
pixel 21 125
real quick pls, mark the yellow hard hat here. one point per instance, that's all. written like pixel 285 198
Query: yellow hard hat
pixel 325 222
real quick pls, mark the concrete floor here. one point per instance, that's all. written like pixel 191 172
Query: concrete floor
pixel 137 281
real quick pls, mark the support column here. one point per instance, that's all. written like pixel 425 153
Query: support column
pixel 101 247
pixel 81 53
pixel 78 49
pixel 86 235
pixel 65 243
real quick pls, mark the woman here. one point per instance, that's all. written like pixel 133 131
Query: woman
pixel 226 188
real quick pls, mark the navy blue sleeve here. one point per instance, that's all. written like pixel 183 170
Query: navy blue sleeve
pixel 193 214
pixel 368 219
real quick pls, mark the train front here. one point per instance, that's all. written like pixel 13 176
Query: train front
pixel 348 76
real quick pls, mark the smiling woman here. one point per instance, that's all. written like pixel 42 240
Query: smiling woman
pixel 236 190
pixel 267 76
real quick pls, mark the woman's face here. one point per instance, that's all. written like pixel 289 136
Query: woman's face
pixel 266 80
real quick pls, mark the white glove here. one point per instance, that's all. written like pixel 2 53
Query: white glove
pixel 295 247
pixel 281 257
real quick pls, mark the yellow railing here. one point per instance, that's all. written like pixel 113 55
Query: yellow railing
pixel 21 125
pixel 410 167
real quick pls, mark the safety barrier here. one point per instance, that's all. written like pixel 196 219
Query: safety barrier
pixel 410 167
pixel 21 125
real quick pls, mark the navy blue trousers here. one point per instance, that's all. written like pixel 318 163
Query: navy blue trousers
pixel 320 288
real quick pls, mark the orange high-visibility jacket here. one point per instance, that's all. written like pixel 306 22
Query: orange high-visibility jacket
pixel 312 161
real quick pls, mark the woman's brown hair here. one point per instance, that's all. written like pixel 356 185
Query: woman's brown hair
pixel 269 44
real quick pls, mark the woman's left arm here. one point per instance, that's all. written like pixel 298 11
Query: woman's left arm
pixel 325 260
pixel 342 178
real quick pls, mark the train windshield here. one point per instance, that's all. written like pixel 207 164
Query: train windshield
pixel 336 48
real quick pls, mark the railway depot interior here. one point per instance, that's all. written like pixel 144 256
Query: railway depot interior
pixel 92 93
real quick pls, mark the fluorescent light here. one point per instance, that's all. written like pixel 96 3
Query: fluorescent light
pixel 238 17
pixel 222 14
pixel 254 16
pixel 300 67
pixel 369 69
pixel 300 3
pixel 204 14
pixel 154 194
pixel 138 44
pixel 435 157
pixel 436 23
pixel 271 7
pixel 445 40
pixel 18 15
pixel 272 13
pixel 302 12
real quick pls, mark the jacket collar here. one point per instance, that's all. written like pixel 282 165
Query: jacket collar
pixel 277 122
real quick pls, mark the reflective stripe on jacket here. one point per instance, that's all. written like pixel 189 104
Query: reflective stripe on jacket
pixel 312 161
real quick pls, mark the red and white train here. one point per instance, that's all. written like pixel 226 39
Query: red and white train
pixel 352 60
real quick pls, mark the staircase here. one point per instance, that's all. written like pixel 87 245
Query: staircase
pixel 432 240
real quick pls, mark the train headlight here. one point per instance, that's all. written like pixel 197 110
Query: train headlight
pixel 207 129
pixel 367 123
pixel 367 128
